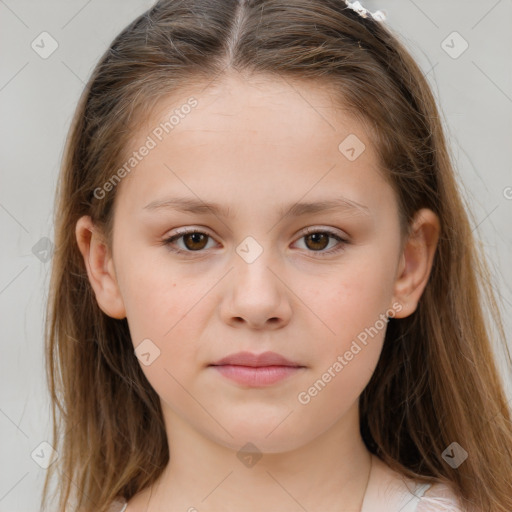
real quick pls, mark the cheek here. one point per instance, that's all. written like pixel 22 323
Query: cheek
pixel 356 297
pixel 153 291
pixel 167 306
pixel 162 308
pixel 344 361
pixel 352 306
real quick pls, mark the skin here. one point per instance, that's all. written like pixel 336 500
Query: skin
pixel 254 147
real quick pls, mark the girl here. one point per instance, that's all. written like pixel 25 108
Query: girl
pixel 266 293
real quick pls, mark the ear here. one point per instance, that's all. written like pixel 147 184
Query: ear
pixel 100 268
pixel 416 261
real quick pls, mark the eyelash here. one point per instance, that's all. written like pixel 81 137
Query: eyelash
pixel 342 242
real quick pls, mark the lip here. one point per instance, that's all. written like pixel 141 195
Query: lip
pixel 255 360
pixel 256 370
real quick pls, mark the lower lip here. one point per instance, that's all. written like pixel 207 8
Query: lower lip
pixel 256 376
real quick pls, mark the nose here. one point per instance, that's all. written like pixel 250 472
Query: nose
pixel 257 296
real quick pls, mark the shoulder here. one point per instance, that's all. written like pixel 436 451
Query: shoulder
pixel 118 505
pixel 439 498
pixel 389 491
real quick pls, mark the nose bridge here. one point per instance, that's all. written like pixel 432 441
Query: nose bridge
pixel 260 254
pixel 256 242
pixel 256 264
pixel 256 293
pixel 250 250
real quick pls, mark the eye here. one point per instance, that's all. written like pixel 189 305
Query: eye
pixel 193 239
pixel 316 240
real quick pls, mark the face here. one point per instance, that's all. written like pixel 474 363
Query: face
pixel 312 284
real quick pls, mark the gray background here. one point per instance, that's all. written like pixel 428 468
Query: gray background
pixel 37 100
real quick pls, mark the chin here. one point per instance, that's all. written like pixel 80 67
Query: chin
pixel 246 443
pixel 264 436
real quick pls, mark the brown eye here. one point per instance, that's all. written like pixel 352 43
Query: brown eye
pixel 195 241
pixel 192 241
pixel 319 241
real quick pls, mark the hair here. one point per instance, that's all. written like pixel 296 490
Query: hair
pixel 436 381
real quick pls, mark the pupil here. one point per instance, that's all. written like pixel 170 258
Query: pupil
pixel 196 238
pixel 315 236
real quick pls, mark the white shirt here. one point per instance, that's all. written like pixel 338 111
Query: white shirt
pixel 389 491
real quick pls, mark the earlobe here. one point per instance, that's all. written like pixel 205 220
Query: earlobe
pixel 100 268
pixel 416 261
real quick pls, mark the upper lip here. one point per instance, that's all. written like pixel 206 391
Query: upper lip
pixel 249 359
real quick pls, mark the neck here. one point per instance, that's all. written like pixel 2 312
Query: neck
pixel 331 472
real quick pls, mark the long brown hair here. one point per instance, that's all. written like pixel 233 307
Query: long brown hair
pixel 436 381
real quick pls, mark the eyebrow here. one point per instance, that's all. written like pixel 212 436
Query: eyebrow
pixel 190 205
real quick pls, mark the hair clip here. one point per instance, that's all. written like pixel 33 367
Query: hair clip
pixel 357 7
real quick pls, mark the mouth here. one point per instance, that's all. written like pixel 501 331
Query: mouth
pixel 256 370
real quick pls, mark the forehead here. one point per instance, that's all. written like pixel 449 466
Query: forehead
pixel 263 136
pixel 261 106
